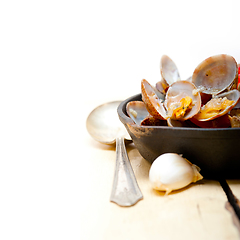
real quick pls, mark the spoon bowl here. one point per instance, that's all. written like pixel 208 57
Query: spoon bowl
pixel 103 124
pixel 105 127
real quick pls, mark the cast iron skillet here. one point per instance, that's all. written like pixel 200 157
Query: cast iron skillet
pixel 215 151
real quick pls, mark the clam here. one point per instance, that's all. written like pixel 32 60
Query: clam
pixel 234 117
pixel 169 73
pixel 137 111
pixel 152 102
pixel 218 106
pixel 183 101
pixel 216 74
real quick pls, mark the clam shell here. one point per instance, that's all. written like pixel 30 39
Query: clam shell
pixel 162 87
pixel 180 90
pixel 215 74
pixel 234 117
pixel 137 111
pixel 160 94
pixel 168 70
pixel 232 95
pixel 152 102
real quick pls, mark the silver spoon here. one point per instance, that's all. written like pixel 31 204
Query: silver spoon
pixel 104 126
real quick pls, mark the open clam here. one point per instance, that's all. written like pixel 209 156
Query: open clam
pixel 215 74
pixel 152 102
pixel 183 101
pixel 137 111
pixel 218 106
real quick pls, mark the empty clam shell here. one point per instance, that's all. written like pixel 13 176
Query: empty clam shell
pixel 169 73
pixel 215 74
pixel 177 94
pixel 169 70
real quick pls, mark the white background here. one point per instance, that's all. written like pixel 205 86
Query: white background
pixel 60 59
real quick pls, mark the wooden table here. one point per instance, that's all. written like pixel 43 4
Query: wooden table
pixel 61 59
pixel 196 212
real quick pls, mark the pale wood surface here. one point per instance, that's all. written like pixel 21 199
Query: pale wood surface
pixel 61 59
pixel 196 212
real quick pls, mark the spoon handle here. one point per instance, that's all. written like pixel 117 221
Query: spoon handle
pixel 125 190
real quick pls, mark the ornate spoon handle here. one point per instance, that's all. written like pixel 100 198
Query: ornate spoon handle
pixel 125 190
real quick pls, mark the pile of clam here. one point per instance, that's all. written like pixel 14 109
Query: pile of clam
pixel 207 99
